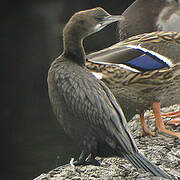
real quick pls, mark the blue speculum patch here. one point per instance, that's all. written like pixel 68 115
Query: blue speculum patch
pixel 146 62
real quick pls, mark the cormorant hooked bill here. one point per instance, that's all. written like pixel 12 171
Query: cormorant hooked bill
pixel 84 106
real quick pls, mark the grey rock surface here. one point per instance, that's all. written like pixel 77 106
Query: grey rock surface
pixel 164 151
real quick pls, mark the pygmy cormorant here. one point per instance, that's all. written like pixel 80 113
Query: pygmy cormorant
pixel 84 106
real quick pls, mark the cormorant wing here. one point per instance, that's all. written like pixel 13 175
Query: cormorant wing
pixel 90 100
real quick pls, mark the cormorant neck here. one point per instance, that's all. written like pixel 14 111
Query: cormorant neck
pixel 73 48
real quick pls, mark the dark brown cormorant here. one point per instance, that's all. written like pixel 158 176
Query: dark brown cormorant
pixel 84 106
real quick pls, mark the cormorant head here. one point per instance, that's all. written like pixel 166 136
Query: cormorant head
pixel 86 22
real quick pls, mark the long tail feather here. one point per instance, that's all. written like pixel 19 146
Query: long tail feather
pixel 139 161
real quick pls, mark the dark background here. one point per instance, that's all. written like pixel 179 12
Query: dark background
pixel 31 37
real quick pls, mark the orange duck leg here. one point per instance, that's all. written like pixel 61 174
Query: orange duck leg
pixel 172 115
pixel 145 130
pixel 174 122
pixel 159 121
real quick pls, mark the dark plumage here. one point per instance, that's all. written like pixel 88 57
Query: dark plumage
pixel 83 105
pixel 145 16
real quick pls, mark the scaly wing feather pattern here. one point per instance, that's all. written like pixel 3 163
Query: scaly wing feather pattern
pixel 89 98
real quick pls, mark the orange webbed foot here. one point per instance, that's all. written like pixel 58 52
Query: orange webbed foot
pixel 175 122
pixel 171 115
pixel 145 130
pixel 159 121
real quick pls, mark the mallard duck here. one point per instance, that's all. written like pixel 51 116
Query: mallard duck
pixel 141 19
pixel 145 16
pixel 142 72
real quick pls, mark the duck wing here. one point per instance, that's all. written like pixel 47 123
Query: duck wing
pixel 146 52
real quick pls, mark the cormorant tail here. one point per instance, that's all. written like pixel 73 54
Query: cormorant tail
pixel 139 161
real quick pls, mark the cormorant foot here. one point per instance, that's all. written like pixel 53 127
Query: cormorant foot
pixel 89 161
pixel 92 161
pixel 79 162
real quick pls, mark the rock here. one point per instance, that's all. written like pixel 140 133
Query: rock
pixel 164 151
